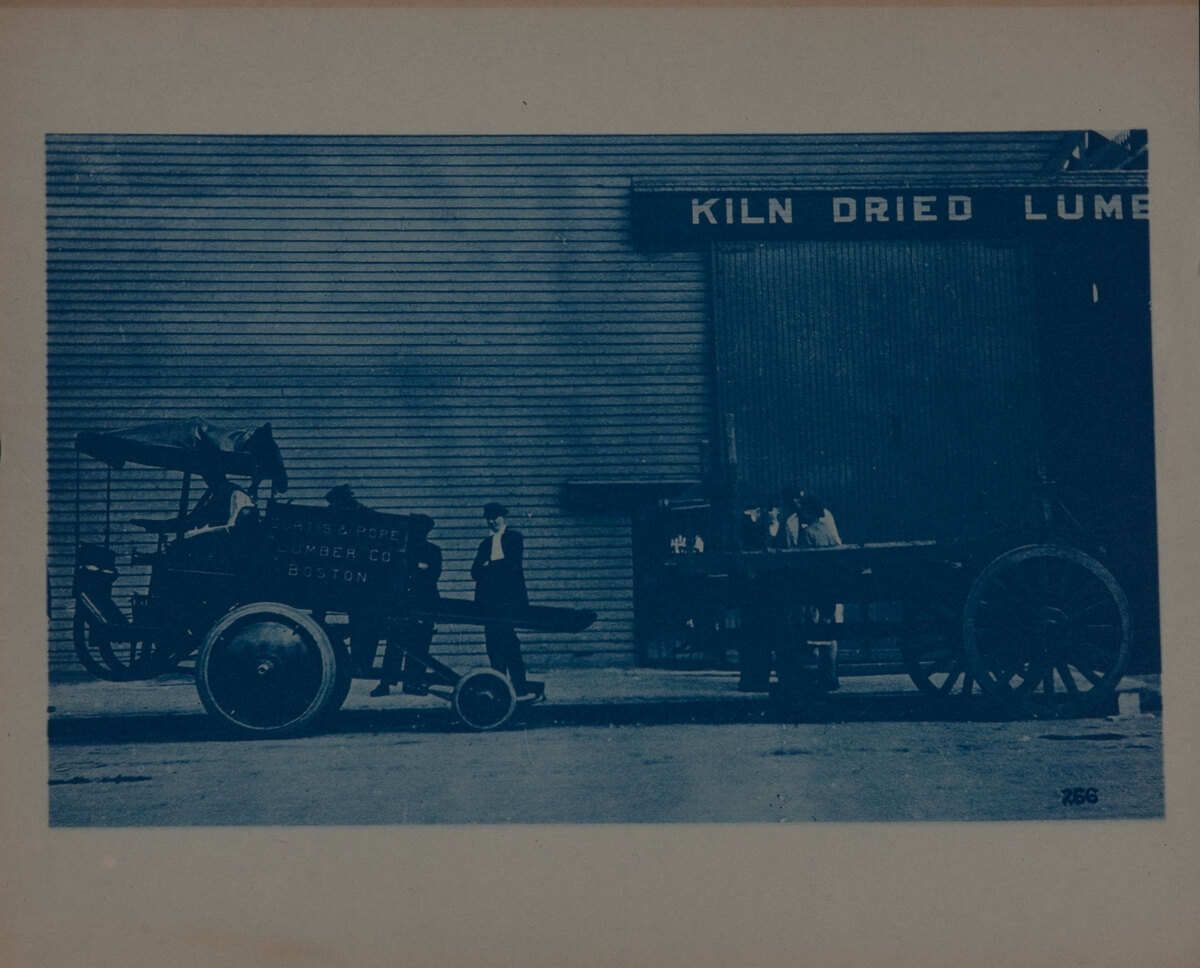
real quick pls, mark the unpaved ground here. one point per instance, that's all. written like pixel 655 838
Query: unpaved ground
pixel 687 762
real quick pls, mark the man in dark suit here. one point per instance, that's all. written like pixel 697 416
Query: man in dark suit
pixel 499 576
pixel 409 640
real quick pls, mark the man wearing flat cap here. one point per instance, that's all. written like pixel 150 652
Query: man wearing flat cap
pixel 499 576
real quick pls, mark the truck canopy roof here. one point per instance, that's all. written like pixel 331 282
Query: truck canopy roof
pixel 191 445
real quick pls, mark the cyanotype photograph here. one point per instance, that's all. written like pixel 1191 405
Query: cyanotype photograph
pixel 697 472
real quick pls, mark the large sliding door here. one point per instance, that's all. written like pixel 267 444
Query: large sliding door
pixel 899 380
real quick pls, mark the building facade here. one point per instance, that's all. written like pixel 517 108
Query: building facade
pixel 585 327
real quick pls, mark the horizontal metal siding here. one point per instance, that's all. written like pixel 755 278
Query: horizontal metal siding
pixel 437 320
pixel 451 347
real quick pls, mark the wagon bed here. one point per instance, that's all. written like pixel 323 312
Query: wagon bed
pixel 1039 629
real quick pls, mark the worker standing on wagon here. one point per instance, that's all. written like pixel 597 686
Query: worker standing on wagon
pixel 408 641
pixel 763 527
pixel 815 528
pixel 499 575
pixel 799 522
pixel 765 619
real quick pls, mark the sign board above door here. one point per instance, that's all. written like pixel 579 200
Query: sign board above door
pixel 666 220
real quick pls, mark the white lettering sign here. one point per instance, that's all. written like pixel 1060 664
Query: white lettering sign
pixel 1073 208
pixel 959 207
pixel 918 208
pixel 741 211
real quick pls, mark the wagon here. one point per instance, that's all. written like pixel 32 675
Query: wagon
pixel 1036 627
pixel 261 609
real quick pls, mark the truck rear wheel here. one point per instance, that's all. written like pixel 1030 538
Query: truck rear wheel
pixel 267 669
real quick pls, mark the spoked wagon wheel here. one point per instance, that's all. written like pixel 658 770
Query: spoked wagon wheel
pixel 484 699
pixel 932 650
pixel 267 669
pixel 1046 630
pixel 124 659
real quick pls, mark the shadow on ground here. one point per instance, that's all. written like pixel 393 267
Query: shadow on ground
pixel 199 727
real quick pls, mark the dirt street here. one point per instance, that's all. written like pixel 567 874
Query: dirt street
pixel 863 758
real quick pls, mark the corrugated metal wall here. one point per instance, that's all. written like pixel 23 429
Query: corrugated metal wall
pixel 437 321
pixel 899 380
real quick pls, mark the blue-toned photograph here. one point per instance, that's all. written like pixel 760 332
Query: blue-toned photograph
pixel 601 479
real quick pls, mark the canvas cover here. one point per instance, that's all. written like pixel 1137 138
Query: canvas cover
pixel 190 445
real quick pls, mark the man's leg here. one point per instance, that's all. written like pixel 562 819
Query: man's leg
pixel 393 655
pixel 504 653
pixel 827 615
pixel 414 669
pixel 524 688
pixel 763 629
pixel 389 671
pixel 364 643
pixel 513 662
pixel 494 644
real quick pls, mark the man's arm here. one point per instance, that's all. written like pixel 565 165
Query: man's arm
pixel 514 549
pixel 240 503
pixel 480 559
pixel 433 563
